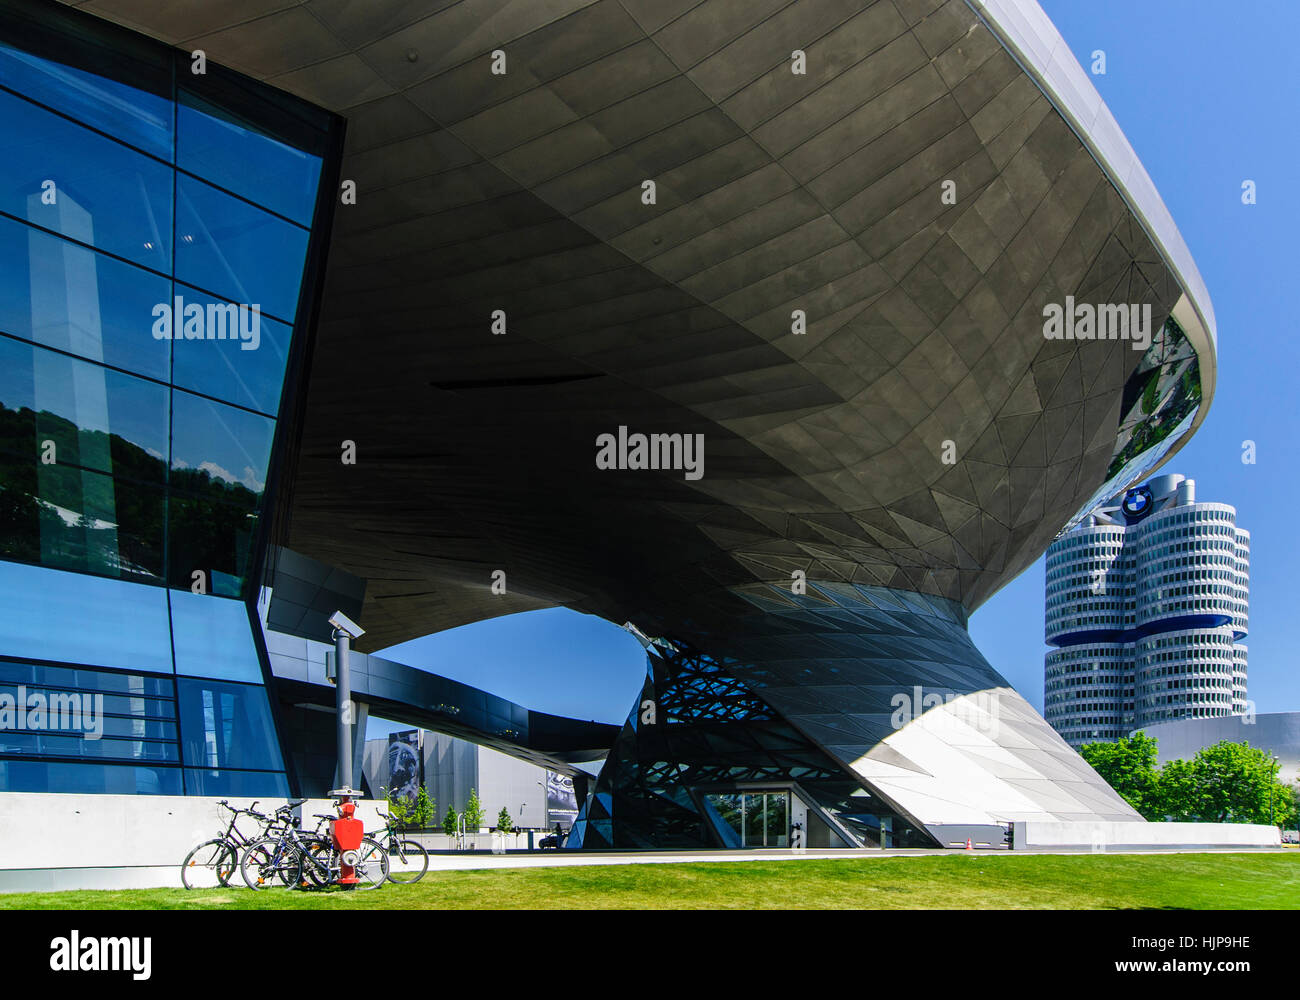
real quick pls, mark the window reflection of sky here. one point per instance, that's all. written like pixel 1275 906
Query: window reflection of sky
pixel 135 116
pixel 221 368
pixel 229 444
pixel 106 195
pixel 255 166
pixel 104 316
pixel 229 247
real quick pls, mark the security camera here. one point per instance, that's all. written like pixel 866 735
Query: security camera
pixel 346 625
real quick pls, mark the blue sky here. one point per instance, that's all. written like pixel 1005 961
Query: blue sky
pixel 1206 94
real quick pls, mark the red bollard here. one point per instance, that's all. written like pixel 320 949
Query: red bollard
pixel 347 832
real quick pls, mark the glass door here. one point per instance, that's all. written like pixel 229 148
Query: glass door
pixel 758 819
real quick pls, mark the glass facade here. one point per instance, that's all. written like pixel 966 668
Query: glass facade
pixel 155 229
pixel 720 767
pixel 751 819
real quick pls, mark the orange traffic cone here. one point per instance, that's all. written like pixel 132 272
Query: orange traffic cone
pixel 968 845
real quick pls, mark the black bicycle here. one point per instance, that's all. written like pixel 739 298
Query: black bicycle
pixel 213 862
pixel 307 861
pixel 407 859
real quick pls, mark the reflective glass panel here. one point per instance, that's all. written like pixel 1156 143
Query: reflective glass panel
pixel 45 776
pixel 68 179
pixel 68 297
pixel 81 678
pixel 727 809
pixel 54 615
pixel 213 638
pixel 244 784
pixel 70 518
pixel 135 116
pixel 246 368
pixel 220 148
pixel 236 250
pixel 219 452
pixel 153 729
pixel 145 718
pixel 87 415
pixel 212 539
pixel 776 823
pixel 226 725
pixel 62 744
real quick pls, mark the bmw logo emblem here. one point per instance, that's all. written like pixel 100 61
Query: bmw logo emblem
pixel 1137 502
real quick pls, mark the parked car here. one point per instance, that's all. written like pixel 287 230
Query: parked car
pixel 555 839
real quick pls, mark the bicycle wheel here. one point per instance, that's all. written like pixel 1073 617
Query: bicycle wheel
pixel 265 863
pixel 325 872
pixel 372 864
pixel 407 861
pixel 209 866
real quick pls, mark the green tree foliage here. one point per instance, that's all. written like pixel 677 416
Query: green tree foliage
pixel 1237 783
pixel 1177 798
pixel 449 823
pixel 399 810
pixel 424 810
pixel 504 823
pixel 1224 783
pixel 53 514
pixel 1129 767
pixel 473 813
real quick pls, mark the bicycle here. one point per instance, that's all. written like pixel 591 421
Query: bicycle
pixel 211 863
pixel 310 860
pixel 266 860
pixel 407 858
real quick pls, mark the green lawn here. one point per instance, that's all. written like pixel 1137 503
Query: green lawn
pixel 958 881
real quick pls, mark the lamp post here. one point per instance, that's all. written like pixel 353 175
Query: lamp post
pixel 345 631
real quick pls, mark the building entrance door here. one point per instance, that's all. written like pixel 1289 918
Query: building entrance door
pixel 759 819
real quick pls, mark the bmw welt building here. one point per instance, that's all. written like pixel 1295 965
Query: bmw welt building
pixel 784 331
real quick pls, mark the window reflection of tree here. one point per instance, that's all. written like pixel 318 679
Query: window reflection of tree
pixel 45 510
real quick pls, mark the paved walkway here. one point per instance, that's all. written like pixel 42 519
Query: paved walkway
pixel 466 860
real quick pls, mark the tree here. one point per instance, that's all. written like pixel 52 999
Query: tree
pixel 424 810
pixel 473 813
pixel 1237 783
pixel 1129 766
pixel 1177 798
pixel 504 823
pixel 1224 783
pixel 399 810
pixel 449 823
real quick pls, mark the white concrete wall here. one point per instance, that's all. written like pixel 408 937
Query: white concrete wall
pixel 61 841
pixel 1033 835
